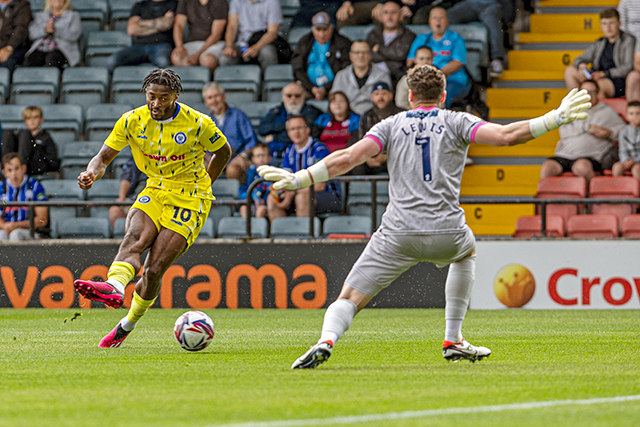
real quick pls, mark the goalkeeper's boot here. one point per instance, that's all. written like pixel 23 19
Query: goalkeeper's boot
pixel 114 338
pixel 463 350
pixel 315 356
pixel 99 291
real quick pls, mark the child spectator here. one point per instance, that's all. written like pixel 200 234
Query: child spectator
pixel 629 140
pixel 334 129
pixel 19 187
pixel 34 144
pixel 259 156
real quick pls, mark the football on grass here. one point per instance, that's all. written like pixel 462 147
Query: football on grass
pixel 194 330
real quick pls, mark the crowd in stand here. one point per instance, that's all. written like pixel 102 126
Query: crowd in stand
pixel 358 79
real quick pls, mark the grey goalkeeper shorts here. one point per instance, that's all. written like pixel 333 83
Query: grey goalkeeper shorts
pixel 387 256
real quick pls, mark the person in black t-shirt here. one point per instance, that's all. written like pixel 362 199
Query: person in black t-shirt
pixel 608 61
pixel 151 26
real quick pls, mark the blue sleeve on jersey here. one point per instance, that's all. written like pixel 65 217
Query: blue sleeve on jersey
pixel 286 162
pixel 38 191
pixel 354 122
pixel 418 42
pixel 320 151
pixel 246 130
pixel 458 50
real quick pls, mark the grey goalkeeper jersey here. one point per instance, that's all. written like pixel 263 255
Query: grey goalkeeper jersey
pixel 426 150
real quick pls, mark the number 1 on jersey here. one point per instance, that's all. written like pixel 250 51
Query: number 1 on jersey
pixel 426 157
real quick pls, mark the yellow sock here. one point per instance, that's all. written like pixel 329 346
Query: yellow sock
pixel 123 272
pixel 139 307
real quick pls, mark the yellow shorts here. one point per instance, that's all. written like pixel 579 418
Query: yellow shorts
pixel 182 214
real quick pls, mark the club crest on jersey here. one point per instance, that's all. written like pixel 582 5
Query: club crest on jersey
pixel 144 199
pixel 142 135
pixel 180 138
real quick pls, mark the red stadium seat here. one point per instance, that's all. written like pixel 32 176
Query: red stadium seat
pixel 631 226
pixel 593 226
pixel 618 104
pixel 614 187
pixel 562 187
pixel 531 226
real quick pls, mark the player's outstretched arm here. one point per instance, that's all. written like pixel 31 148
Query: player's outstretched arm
pixel 335 164
pixel 573 107
pixel 97 167
pixel 219 160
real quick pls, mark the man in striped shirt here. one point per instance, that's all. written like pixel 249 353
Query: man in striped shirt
pixel 19 187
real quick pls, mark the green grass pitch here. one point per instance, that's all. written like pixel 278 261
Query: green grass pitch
pixel 53 374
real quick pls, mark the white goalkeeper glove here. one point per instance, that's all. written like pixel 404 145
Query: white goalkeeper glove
pixel 294 181
pixel 573 107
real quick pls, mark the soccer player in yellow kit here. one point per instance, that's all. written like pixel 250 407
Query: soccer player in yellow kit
pixel 168 141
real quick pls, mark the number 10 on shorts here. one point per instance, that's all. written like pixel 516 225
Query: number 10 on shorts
pixel 426 157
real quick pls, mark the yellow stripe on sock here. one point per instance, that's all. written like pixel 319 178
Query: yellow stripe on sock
pixel 139 307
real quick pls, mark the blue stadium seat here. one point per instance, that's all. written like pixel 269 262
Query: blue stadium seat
pixel 35 85
pixel 257 110
pixel 126 84
pixel 356 32
pixel 76 155
pixel 101 44
pixel 359 198
pixel 5 84
pixel 295 34
pixel 61 190
pixel 63 122
pixel 11 116
pixel 217 212
pixel 118 228
pixel 292 227
pixel 346 224
pixel 120 13
pixel 321 105
pixel 275 78
pixel 241 82
pixel 226 188
pixel 101 118
pixel 85 86
pixel 103 190
pixel 234 227
pixel 289 7
pixel 93 14
pixel 193 78
pixel 208 230
pixel 84 228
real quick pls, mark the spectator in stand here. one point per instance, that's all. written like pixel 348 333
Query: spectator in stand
pixel 235 125
pixel 358 12
pixel 335 128
pixel 630 23
pixel 489 12
pixel 151 26
pixel 611 59
pixel 34 144
pixel 55 33
pixel 629 143
pixel 130 178
pixel 15 16
pixel 449 52
pixel 319 55
pixel 309 9
pixel 273 125
pixel 304 152
pixel 19 187
pixel 424 56
pixel 417 11
pixel 259 156
pixel 251 32
pixel 390 42
pixel 207 20
pixel 584 144
pixel 383 107
pixel 356 81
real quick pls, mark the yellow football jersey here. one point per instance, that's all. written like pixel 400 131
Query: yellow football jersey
pixel 170 152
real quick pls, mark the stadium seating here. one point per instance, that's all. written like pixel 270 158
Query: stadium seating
pixel 93 14
pixel 257 110
pixel 320 105
pixel 126 84
pixel 103 190
pixel 226 188
pixel 359 197
pixel 234 227
pixel 295 34
pixel 241 82
pixel 84 228
pixel 208 230
pixel 61 190
pixel 101 118
pixel 217 212
pixel 356 32
pixel 610 187
pixel 5 83
pixel 35 85
pixel 631 226
pixel 64 123
pixel 275 78
pixel 11 116
pixel 531 226
pixel 289 7
pixel 593 226
pixel 193 78
pixel 118 228
pixel 562 187
pixel 76 155
pixel 120 13
pixel 85 86
pixel 101 44
pixel 292 227
pixel 341 227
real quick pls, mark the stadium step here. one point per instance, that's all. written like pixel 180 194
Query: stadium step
pixel 578 3
pixel 525 98
pixel 543 60
pixel 543 146
pixel 500 180
pixel 569 23
pixel 558 38
pixel 495 220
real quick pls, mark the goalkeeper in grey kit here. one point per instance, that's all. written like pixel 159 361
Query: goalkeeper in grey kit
pixel 426 149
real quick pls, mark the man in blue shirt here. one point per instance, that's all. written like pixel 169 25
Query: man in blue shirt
pixel 18 187
pixel 304 152
pixel 449 54
pixel 235 125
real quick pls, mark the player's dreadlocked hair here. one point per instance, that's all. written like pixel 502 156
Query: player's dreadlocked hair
pixel 164 77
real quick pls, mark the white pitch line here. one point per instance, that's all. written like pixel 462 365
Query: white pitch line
pixel 354 419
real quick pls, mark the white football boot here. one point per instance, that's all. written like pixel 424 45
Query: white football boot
pixel 463 350
pixel 315 356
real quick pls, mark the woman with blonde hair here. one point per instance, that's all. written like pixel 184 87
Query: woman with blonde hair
pixel 55 33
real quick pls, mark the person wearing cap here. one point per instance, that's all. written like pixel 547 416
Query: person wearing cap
pixel 383 107
pixel 309 8
pixel 390 42
pixel 319 55
pixel 357 80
